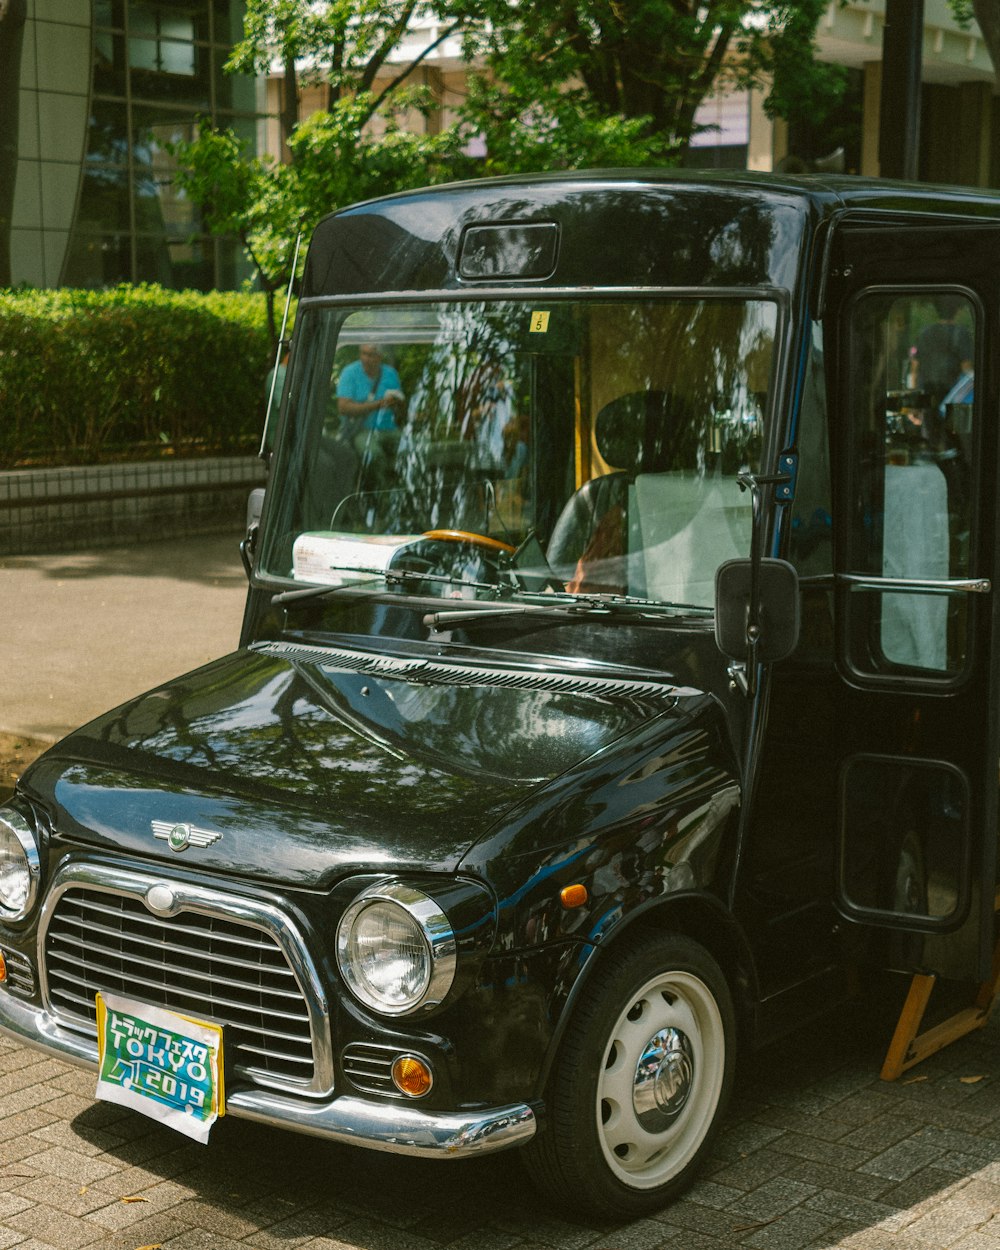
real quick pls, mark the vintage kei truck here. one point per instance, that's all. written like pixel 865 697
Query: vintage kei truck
pixel 618 679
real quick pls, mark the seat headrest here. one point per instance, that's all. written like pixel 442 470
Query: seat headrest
pixel 644 432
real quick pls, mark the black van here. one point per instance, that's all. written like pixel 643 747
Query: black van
pixel 618 678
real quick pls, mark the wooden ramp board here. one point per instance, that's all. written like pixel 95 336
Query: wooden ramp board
pixel 909 1046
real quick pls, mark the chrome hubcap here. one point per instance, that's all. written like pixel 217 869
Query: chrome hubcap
pixel 663 1080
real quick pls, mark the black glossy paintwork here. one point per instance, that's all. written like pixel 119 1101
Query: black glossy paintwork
pixel 309 773
pixel 678 649
pixel 826 712
pixel 675 229
pixel 312 784
pixel 646 820
pixel 736 238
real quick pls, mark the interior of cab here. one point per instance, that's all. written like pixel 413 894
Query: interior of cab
pixel 607 435
pixel 631 530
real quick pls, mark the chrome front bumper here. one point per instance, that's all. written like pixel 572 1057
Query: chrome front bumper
pixel 398 1127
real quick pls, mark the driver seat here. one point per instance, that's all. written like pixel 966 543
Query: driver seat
pixel 588 547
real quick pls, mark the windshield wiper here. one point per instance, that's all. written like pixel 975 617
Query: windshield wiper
pixel 540 604
pixel 582 606
pixel 391 577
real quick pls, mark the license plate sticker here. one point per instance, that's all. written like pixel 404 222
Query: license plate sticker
pixel 166 1065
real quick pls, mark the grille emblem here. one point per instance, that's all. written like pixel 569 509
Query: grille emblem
pixel 180 837
pixel 160 899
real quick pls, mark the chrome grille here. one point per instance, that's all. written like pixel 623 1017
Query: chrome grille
pixel 20 974
pixel 370 1067
pixel 203 965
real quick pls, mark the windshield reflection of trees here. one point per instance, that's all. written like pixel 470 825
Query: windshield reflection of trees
pixel 470 393
pixel 443 468
pixel 504 407
pixel 710 358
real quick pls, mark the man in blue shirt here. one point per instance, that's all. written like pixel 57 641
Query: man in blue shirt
pixel 371 390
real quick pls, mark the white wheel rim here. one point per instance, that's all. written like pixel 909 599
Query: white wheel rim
pixel 661 1079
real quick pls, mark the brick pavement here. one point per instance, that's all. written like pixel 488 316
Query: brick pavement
pixel 817 1152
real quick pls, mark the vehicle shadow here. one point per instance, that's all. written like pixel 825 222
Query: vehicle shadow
pixel 208 559
pixel 817 1151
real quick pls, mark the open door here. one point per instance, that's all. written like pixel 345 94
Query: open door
pixel 911 315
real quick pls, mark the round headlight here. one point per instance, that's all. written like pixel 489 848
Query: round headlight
pixel 396 949
pixel 19 865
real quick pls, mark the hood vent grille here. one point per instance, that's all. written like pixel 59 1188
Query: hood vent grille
pixel 429 672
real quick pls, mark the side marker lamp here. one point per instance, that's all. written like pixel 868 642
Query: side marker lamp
pixel 412 1076
pixel 573 896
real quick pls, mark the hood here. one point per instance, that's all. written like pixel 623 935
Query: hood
pixel 299 764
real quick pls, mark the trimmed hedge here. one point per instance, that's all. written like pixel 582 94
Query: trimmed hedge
pixel 129 373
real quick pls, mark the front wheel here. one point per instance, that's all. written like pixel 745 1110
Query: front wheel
pixel 641 1081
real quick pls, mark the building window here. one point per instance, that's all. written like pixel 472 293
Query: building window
pixel 162 41
pixel 157 68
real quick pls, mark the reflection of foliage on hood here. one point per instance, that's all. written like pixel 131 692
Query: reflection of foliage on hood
pixel 311 733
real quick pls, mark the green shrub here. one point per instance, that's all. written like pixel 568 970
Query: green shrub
pixel 132 372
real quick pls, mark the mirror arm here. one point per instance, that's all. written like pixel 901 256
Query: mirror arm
pixel 738 677
pixel 784 484
pixel 248 549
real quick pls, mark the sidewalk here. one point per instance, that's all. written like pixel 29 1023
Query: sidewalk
pixel 85 631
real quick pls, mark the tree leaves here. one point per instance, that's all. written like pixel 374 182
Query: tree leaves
pixel 554 84
pixel 86 374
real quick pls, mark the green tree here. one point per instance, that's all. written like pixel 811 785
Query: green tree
pixel 562 84
pixel 343 45
pixel 242 196
pixel 354 148
pixel 565 80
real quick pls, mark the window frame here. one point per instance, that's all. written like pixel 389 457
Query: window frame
pixel 852 587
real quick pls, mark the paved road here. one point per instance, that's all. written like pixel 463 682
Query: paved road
pixel 83 632
pixel 817 1152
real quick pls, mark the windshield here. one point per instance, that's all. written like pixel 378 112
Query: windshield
pixel 583 447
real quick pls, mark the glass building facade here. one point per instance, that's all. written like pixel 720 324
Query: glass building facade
pixel 107 87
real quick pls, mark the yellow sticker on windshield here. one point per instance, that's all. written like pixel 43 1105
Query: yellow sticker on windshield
pixel 539 322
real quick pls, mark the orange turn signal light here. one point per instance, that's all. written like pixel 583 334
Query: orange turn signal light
pixel 573 896
pixel 412 1076
pixel 3 967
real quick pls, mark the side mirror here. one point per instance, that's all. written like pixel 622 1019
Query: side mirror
pixel 255 506
pixel 772 631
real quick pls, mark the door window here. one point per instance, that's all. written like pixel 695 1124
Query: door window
pixel 904 840
pixel 911 404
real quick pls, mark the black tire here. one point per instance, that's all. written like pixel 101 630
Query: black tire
pixel 640 1083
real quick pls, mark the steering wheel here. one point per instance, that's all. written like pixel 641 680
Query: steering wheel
pixel 493 545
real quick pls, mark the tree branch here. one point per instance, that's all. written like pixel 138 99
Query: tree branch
pixel 390 40
pixel 988 17
pixel 401 77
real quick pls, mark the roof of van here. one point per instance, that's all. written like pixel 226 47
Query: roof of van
pixel 844 189
pixel 606 228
